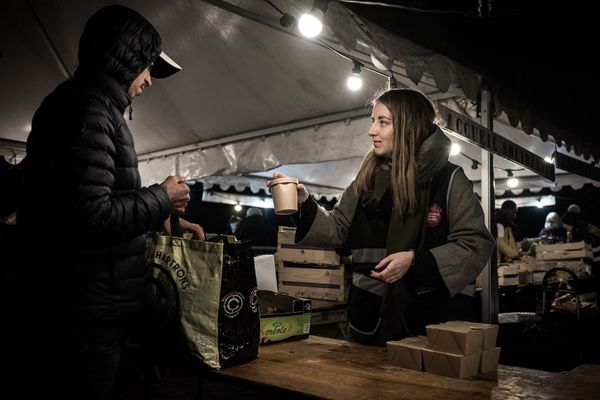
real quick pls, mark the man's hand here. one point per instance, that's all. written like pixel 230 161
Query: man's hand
pixel 178 192
pixel 185 226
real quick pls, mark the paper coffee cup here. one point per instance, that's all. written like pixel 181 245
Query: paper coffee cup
pixel 285 195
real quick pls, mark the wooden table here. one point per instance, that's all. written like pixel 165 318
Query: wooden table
pixel 326 368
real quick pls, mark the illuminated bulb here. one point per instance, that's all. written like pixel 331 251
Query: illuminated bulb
pixel 454 149
pixel 237 208
pixel 512 182
pixel 354 82
pixel 310 24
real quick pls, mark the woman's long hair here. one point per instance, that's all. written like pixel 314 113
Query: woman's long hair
pixel 413 116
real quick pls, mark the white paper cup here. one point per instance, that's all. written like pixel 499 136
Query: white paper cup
pixel 285 195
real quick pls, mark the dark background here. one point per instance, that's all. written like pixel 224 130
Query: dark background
pixel 214 217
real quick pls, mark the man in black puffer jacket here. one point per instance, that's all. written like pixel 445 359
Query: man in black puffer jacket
pixel 85 214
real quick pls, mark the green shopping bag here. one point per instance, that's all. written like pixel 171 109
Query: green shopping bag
pixel 206 290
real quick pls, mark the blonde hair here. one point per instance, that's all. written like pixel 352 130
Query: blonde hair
pixel 413 119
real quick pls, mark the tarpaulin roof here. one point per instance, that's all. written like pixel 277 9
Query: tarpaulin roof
pixel 254 95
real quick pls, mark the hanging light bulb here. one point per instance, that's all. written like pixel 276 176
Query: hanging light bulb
pixel 310 24
pixel 237 207
pixel 454 149
pixel 512 182
pixel 354 82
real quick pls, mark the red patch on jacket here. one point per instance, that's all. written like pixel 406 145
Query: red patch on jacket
pixel 434 215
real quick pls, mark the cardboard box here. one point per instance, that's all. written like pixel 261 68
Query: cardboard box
pixel 490 332
pixel 489 360
pixel 455 339
pixel 408 352
pixel 283 317
pixel 452 365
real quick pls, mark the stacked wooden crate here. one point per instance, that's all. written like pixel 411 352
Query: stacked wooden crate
pixel 575 256
pixel 508 275
pixel 308 272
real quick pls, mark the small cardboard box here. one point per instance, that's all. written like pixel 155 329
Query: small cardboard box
pixel 489 360
pixel 452 365
pixel 490 332
pixel 455 339
pixel 283 317
pixel 408 352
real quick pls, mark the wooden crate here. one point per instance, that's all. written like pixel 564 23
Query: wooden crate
pixel 306 255
pixel 286 234
pixel 312 281
pixel 287 250
pixel 563 251
pixel 580 267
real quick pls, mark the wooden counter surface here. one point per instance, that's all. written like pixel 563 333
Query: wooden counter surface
pixel 326 368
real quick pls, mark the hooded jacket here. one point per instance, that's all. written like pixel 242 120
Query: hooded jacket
pixel 84 198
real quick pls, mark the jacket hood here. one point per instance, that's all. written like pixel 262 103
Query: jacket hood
pixel 120 42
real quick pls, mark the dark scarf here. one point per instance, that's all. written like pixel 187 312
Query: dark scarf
pixel 406 232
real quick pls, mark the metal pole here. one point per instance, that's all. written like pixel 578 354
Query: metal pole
pixel 489 282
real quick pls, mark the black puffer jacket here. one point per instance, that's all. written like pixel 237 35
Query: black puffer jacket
pixel 84 199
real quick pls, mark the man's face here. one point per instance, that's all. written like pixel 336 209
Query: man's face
pixel 139 83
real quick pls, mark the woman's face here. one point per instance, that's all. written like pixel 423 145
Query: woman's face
pixel 382 130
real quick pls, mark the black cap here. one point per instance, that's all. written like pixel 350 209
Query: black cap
pixel 164 66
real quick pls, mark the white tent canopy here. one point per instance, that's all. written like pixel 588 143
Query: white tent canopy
pixel 252 96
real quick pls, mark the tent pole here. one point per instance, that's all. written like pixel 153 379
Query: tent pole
pixel 489 282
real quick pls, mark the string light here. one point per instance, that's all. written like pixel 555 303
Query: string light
pixel 454 149
pixel 511 182
pixel 354 82
pixel 237 207
pixel 474 163
pixel 310 24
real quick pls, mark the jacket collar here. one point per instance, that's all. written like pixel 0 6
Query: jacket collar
pixel 114 92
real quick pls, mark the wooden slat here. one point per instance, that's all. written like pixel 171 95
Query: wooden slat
pixel 560 246
pixel 308 256
pixel 563 251
pixel 315 275
pixel 334 369
pixel 313 292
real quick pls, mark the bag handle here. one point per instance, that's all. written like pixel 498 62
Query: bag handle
pixel 218 238
pixel 175 226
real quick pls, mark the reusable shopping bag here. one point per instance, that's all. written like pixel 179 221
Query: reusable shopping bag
pixel 208 291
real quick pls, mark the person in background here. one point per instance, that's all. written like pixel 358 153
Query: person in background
pixel 85 214
pixel 553 229
pixel 579 229
pixel 256 228
pixel 506 242
pixel 413 224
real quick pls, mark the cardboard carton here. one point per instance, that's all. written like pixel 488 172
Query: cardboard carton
pixel 452 365
pixel 490 332
pixel 283 317
pixel 408 352
pixel 455 339
pixel 489 360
